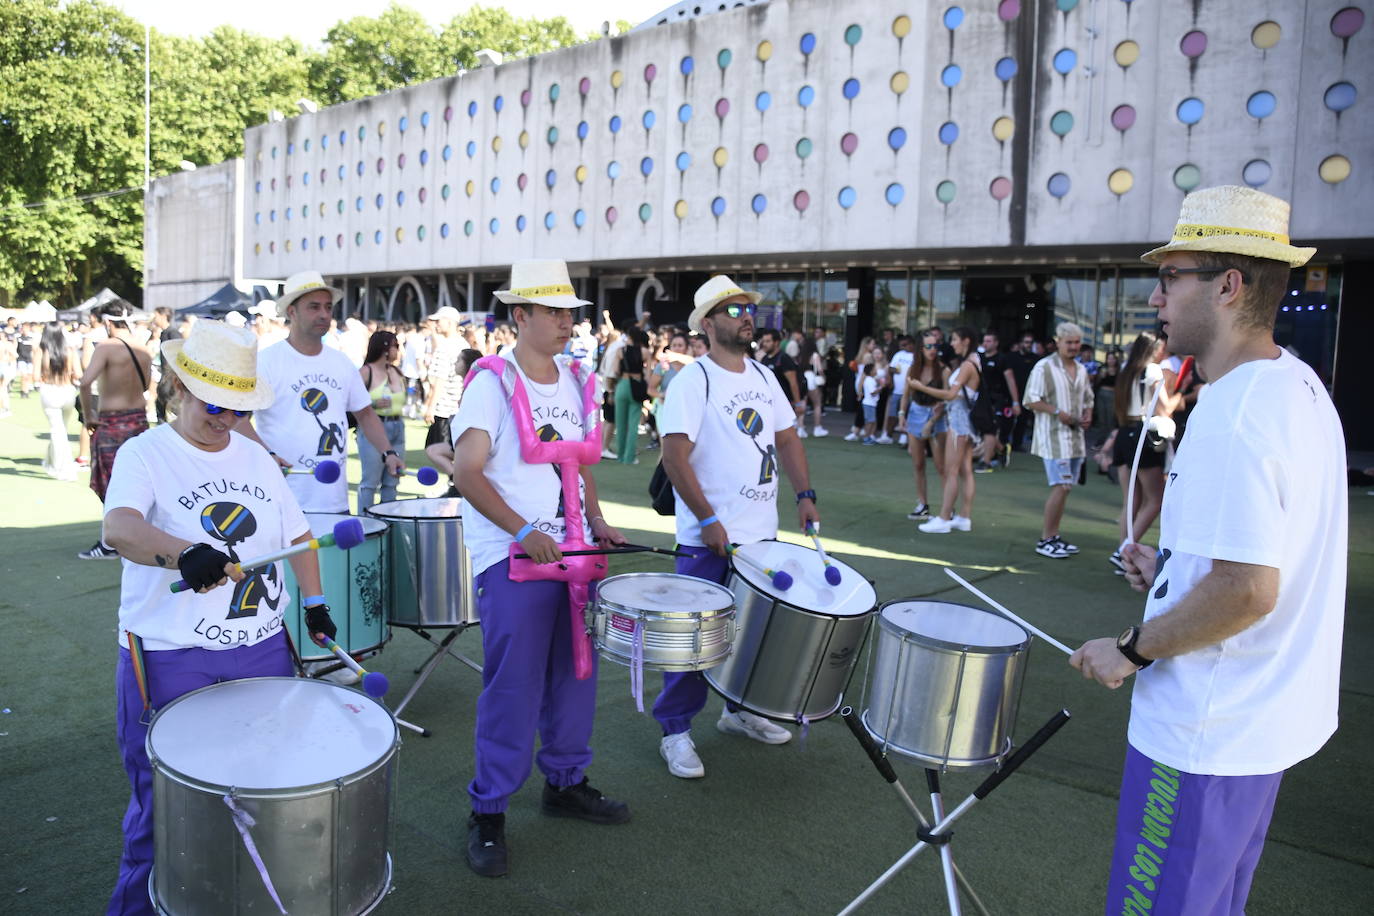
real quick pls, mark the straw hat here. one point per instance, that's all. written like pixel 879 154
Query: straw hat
pixel 298 284
pixel 712 293
pixel 219 364
pixel 543 282
pixel 1234 220
pixel 447 313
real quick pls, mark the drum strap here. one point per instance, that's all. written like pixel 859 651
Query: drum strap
pixel 243 820
pixel 140 676
pixel 637 666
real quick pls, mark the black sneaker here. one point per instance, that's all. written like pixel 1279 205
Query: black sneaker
pixel 1068 548
pixel 982 467
pixel 1052 548
pixel 98 551
pixel 1118 564
pixel 584 803
pixel 487 844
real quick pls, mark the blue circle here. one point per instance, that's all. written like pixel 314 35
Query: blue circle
pixel 718 206
pixel 646 166
pixel 851 88
pixel 496 186
pixel 582 130
pixel 1261 105
pixel 305 178
pixel 847 197
pixel 762 101
pixel 402 124
pixel 377 237
pixel 290 148
pixel 447 152
pixel 324 141
pixel 549 220
pixel 379 200
pixel 758 204
pixel 808 43
pixel 361 168
pixel 649 119
pixel 896 138
pixel 494 225
pixel 894 193
pixel 579 218
pixel 949 132
pixel 553 92
pixel 1058 185
pixel 257 218
pixel 951 75
pixel 362 132
pixel 320 242
pixel 257 188
pixel 805 96
pixel 954 17
pixel 615 124
pixel 550 178
pixel 1065 60
pixel 400 198
pixel 471 148
pixel 272 215
pixel 424 157
pixel 684 113
pixel 305 244
pixel 288 213
pixel 687 65
pixel 613 170
pixel 472 109
pixel 1005 68
pixel 424 122
pixel 342 172
pixel 443 230
pixel 358 203
pixel 1339 96
pixel 684 160
pixel 343 137
pixel 498 103
pixel 520 223
pixel 1190 111
pixel 552 135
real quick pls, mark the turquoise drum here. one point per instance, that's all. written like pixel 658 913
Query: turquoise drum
pixel 355 585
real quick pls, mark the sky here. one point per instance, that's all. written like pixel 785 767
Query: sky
pixel 308 21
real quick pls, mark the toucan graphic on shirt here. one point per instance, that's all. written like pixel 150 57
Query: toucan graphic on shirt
pixel 315 402
pixel 547 433
pixel 232 524
pixel 751 424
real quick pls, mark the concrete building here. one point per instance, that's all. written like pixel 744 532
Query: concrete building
pixel 192 234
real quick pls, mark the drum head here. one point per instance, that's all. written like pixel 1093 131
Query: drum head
pixel 324 522
pixel 954 626
pixel 271 733
pixel 428 507
pixel 809 590
pixel 664 592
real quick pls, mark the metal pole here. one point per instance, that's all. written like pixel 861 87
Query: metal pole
pixel 147 105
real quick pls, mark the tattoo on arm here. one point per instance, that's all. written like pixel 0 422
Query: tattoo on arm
pixel 162 560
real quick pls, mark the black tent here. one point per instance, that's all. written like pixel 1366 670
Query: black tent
pixel 221 302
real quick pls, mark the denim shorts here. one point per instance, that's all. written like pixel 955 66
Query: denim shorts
pixel 870 413
pixel 916 418
pixel 1062 472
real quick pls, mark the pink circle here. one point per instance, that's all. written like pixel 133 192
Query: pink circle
pixel 273 184
pixel 585 86
pixel 521 180
pixel 423 195
pixel 401 161
pixel 650 72
pixel 1000 189
pixel 1347 22
pixel 1123 117
pixel 801 200
pixel 338 241
pixel 722 108
pixel 1193 44
pixel 612 214
pixel 761 153
pixel 848 144
pixel 524 98
pixel 1008 10
pixel 381 164
pixel 448 113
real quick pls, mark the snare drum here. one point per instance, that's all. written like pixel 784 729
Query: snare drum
pixel 431 574
pixel 946 683
pixel 354 583
pixel 681 622
pixel 794 650
pixel 292 771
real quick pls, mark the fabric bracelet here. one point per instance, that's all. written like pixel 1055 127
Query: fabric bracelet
pixel 707 521
pixel 312 600
pixel 524 532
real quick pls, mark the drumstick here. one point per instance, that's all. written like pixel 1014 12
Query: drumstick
pixel 426 477
pixel 832 573
pixel 1183 370
pixel 325 472
pixel 997 607
pixel 374 682
pixel 347 534
pixel 781 581
pixel 623 548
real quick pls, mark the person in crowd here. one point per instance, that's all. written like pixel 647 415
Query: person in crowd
pixel 1059 393
pixel 869 389
pixel 1104 391
pixel 813 373
pixel 57 378
pixel 770 354
pixel 608 374
pixel 882 371
pixel 386 386
pixel 440 452
pixel 9 366
pixel 956 470
pixel 631 390
pixel 924 416
pixel 448 343
pixel 1237 664
pixel 1005 395
pixel 902 358
pixel 864 357
pixel 727 427
pixel 671 360
pixel 1023 358
pixel 25 351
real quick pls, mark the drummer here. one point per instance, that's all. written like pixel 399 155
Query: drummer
pixel 528 677
pixel 725 429
pixel 188 500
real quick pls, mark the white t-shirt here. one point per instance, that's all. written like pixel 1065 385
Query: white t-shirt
pixel 871 386
pixel 901 361
pixel 533 491
pixel 309 420
pixel 236 501
pixel 734 454
pixel 1259 478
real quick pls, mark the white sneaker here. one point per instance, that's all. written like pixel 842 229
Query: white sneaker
pixel 607 453
pixel 936 525
pixel 752 726
pixel 852 437
pixel 820 432
pixel 681 755
pixel 801 432
pixel 960 523
pixel 884 439
pixel 902 440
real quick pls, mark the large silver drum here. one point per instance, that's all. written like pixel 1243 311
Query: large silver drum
pixel 431 575
pixel 946 683
pixel 663 621
pixel 794 650
pixel 294 774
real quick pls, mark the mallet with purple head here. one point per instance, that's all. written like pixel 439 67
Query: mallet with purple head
pixel 347 534
pixel 782 581
pixel 326 471
pixel 375 683
pixel 832 573
pixel 426 477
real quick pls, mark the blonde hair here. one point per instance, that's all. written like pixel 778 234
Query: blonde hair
pixel 1067 329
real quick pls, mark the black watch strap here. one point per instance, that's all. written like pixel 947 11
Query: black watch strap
pixel 1125 644
pixel 389 453
pixel 806 494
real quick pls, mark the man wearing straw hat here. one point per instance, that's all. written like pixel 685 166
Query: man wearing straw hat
pixel 727 427
pixel 1238 658
pixel 528 678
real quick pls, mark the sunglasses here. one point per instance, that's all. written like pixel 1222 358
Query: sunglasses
pixel 930 346
pixel 1169 274
pixel 215 410
pixel 735 311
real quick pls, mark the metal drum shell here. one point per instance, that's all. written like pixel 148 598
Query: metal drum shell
pixel 944 703
pixel 325 845
pixel 357 586
pixel 431 572
pixel 665 648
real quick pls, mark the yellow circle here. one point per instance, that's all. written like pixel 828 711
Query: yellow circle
pixel 524 139
pixel 720 157
pixel 765 50
pixel 496 144
pixel 1127 53
pixel 381 128
pixel 321 209
pixel 680 209
pixel 580 174
pixel 900 82
pixel 469 188
pixel 1120 181
pixel 901 26
pixel 288 244
pixel 1003 128
pixel 257 249
pixel 1334 169
pixel 617 79
pixel 1266 35
pixel 400 234
pixel 259 155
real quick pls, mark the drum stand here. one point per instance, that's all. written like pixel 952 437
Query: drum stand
pixel 441 648
pixel 939 836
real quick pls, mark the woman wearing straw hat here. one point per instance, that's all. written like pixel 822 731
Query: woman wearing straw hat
pixel 188 500
pixel 1239 655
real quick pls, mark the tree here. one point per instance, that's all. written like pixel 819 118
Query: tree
pixel 366 56
pixel 495 28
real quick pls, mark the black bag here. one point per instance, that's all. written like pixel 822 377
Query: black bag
pixel 661 495
pixel 639 390
pixel 982 417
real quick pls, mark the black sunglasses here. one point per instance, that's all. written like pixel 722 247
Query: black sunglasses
pixel 736 310
pixel 1169 274
pixel 215 410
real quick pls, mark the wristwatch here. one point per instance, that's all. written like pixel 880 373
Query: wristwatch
pixel 390 453
pixel 1125 644
pixel 806 494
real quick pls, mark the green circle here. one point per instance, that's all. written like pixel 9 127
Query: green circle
pixel 853 34
pixel 1061 123
pixel 723 58
pixel 944 191
pixel 645 211
pixel 1187 177
pixel 467 228
pixel 803 147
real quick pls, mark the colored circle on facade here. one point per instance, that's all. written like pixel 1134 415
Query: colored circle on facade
pixel 718 207
pixel 900 82
pixel 525 98
pixel 680 209
pixel 584 86
pixel 853 34
pixel 650 73
pixel 722 108
pixel 424 157
pixel 761 153
pixel 847 197
pixel 950 76
pixel 901 26
pixel 400 198
pixel 807 43
pixel 468 227
pixel 801 200
pixel 804 147
pixel 896 138
pixel 550 178
pixel 377 237
pixel 1123 117
pixel 400 234
pixel 494 225
pixel 1265 35
pixel 469 187
pixel 1008 10
pixel 495 185
pixel 848 144
pixel 684 161
pixel 1190 111
pixel 850 89
pixel 953 18
pixel 583 129
pixel 554 92
pixel 549 220
pixel 498 103
pixel 1346 23
pixel 551 136
pixel 424 119
pixel 758 204
pixel 648 119
pixel 1000 189
pixel 523 141
pixel 1065 59
pixel 580 174
pixel 614 124
pixel 805 96
pixel 763 101
pixel 445 192
pixel 1193 44
pixel 1334 169
pixel 1126 53
pixel 496 144
pixel 443 230
pixel 471 148
pixel 1061 122
pixel 723 58
pixel 422 194
pixel 1187 177
pixel 1005 69
pixel 1066 6
pixel 646 166
pixel 617 79
pixel 1261 105
pixel 684 113
pixel 579 218
pixel 1339 96
pixel 613 170
pixel 764 51
pixel 403 123
pixel 894 194
pixel 521 223
pixel 379 200
pixel 948 133
pixel 1003 128
pixel 720 157
pixel 1120 181
pixel 1058 185
pixel 945 191
pixel 472 109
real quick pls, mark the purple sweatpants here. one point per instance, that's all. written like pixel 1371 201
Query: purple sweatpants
pixel 684 692
pixel 528 684
pixel 1186 844
pixel 171 673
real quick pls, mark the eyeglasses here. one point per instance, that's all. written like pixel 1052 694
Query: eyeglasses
pixel 931 346
pixel 1169 274
pixel 735 311
pixel 215 410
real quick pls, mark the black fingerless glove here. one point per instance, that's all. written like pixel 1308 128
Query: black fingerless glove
pixel 202 565
pixel 317 620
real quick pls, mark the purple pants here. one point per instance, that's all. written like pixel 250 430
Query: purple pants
pixel 171 673
pixel 684 692
pixel 1186 844
pixel 527 685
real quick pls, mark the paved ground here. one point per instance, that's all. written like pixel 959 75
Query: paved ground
pixel 795 829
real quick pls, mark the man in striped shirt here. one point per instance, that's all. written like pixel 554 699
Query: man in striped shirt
pixel 1057 392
